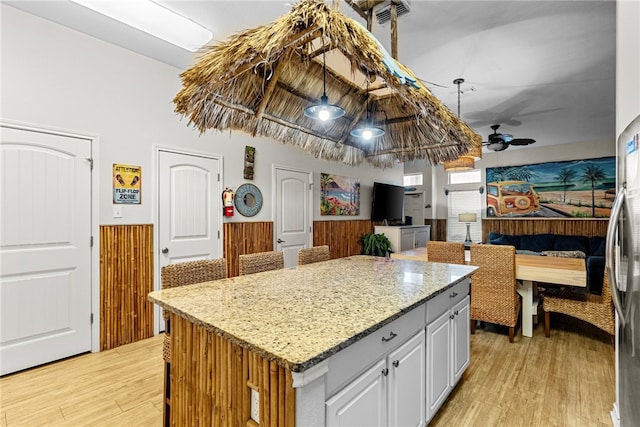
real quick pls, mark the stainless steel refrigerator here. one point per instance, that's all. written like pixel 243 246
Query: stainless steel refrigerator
pixel 623 260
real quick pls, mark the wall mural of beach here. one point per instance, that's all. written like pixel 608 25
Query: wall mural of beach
pixel 339 195
pixel 569 189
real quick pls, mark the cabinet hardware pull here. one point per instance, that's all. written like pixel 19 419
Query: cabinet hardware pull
pixel 392 335
pixel 385 371
pixel 453 295
pixel 455 312
pixel 396 363
pixel 452 317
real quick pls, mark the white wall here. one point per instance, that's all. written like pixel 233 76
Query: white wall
pixel 58 78
pixel 509 157
pixel 627 62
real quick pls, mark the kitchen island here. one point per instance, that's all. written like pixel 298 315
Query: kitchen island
pixel 298 346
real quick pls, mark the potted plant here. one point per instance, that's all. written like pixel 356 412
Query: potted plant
pixel 375 244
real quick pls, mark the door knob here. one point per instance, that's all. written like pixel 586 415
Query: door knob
pixel 280 240
pixel 165 250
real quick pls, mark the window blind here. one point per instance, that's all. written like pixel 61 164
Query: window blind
pixel 460 202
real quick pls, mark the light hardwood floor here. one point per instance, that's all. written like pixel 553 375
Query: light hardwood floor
pixel 567 380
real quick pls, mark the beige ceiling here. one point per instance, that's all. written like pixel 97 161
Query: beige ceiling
pixel 542 69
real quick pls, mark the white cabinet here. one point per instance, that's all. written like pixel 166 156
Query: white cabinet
pixel 460 326
pixel 363 402
pixel 447 341
pixel 405 237
pixel 406 396
pixel 391 393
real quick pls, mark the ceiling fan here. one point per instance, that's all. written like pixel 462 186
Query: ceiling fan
pixel 501 141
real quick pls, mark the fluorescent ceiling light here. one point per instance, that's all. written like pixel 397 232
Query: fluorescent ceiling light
pixel 154 19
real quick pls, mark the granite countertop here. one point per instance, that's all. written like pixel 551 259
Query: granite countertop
pixel 301 316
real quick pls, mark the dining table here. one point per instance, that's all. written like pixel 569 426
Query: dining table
pixel 529 269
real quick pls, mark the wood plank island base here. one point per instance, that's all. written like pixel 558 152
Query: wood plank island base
pixel 376 340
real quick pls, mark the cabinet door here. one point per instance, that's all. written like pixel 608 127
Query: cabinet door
pixel 407 240
pixel 421 237
pixel 438 362
pixel 460 339
pixel 407 399
pixel 361 403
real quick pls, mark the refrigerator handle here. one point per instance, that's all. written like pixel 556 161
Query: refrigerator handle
pixel 616 210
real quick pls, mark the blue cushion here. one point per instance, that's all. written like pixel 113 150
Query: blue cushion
pixel 597 246
pixel 571 243
pixel 504 239
pixel 537 242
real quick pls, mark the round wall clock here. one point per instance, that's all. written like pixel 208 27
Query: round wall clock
pixel 248 200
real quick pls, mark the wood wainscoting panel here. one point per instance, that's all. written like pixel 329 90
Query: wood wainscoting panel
pixel 567 227
pixel 342 237
pixel 438 229
pixel 212 379
pixel 245 238
pixel 126 278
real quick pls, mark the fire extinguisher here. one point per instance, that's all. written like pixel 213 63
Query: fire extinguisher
pixel 227 201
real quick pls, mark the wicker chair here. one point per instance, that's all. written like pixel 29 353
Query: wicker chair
pixel 594 309
pixel 314 254
pixel 261 261
pixel 449 252
pixel 493 287
pixel 182 274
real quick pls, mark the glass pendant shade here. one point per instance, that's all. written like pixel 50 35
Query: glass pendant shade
pixel 324 111
pixel 459 164
pixel 367 132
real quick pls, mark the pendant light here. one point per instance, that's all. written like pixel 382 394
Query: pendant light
pixel 324 111
pixel 369 131
pixel 467 160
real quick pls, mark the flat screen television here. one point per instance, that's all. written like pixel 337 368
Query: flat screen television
pixel 388 202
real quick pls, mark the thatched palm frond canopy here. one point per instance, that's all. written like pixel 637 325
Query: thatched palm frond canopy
pixel 261 80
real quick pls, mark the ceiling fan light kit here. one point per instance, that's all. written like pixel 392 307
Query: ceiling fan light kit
pixel 502 141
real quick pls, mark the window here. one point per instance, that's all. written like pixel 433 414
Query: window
pixel 412 179
pixel 466 177
pixel 468 201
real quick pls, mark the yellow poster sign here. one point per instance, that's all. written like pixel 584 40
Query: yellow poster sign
pixel 127 183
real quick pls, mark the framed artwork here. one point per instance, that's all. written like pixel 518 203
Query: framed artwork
pixel 569 189
pixel 339 195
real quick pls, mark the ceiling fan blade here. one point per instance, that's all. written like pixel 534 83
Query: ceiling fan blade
pixel 522 141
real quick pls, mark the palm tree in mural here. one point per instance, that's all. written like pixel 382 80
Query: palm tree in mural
pixel 564 176
pixel 593 173
pixel 326 182
pixel 519 173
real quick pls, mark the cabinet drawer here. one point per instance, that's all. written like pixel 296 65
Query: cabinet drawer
pixel 349 362
pixel 446 300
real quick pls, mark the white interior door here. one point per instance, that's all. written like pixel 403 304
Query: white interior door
pixel 45 248
pixel 189 208
pixel 292 215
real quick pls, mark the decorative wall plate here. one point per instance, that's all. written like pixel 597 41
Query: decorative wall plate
pixel 248 200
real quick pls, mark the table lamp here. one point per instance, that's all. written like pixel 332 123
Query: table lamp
pixel 468 218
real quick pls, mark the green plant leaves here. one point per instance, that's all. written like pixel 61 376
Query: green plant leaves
pixel 375 244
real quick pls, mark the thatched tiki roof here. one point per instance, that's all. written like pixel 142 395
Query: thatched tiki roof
pixel 261 80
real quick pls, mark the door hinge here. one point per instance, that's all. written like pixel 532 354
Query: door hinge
pixel 91 241
pixel 218 176
pixel 218 234
pixel 90 160
pixel 92 318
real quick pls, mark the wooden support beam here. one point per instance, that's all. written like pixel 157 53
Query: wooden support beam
pixel 394 29
pixel 273 82
pixel 274 119
pixel 356 9
pixel 410 149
